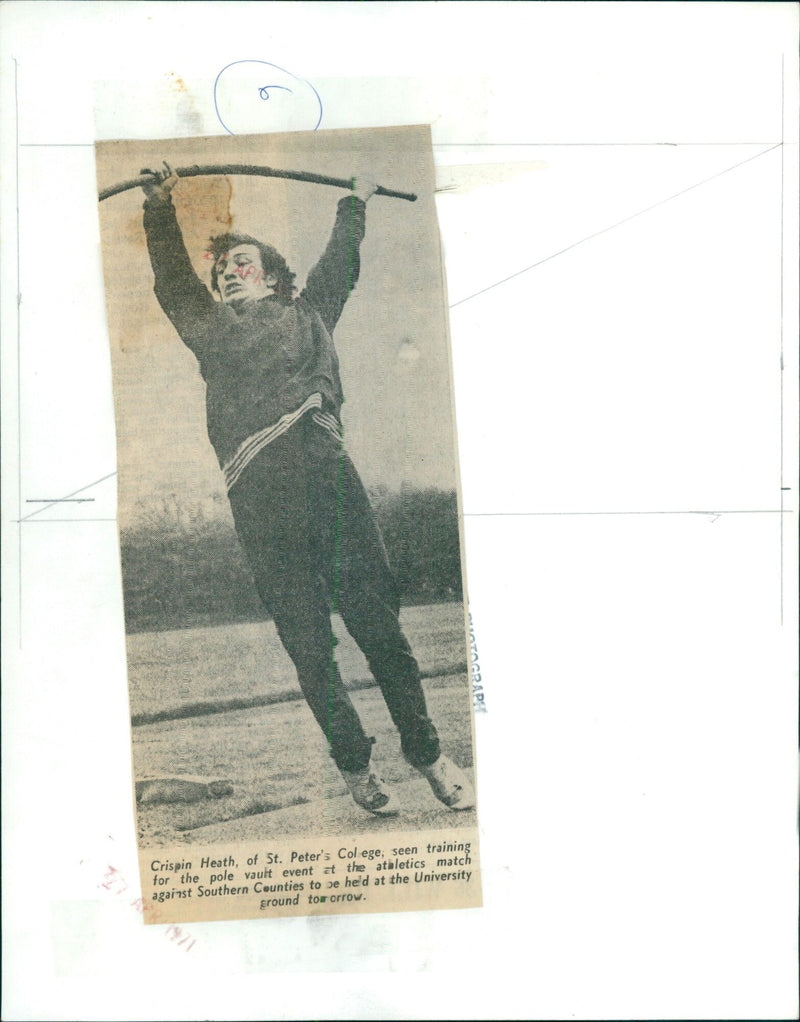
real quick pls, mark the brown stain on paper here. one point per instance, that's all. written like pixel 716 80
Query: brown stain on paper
pixel 187 115
pixel 203 206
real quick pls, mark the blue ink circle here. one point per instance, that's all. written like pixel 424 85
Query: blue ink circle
pixel 305 96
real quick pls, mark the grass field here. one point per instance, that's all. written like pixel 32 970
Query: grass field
pixel 274 753
pixel 188 667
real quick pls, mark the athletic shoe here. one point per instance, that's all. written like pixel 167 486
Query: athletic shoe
pixel 368 791
pixel 449 783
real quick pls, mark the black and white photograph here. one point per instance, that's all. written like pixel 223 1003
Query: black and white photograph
pixel 288 506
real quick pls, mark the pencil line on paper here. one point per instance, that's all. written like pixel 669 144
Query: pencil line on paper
pixel 460 145
pixel 19 350
pixel 74 493
pixel 533 514
pixel 476 145
pixel 511 145
pixel 780 368
pixel 49 521
pixel 619 223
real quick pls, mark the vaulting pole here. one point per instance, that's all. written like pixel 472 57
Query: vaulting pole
pixel 248 169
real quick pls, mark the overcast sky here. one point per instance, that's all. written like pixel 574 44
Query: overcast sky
pixel 391 339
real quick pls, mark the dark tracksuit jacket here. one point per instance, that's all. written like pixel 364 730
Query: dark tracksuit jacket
pixel 263 362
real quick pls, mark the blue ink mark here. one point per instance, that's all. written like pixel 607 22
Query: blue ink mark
pixel 263 91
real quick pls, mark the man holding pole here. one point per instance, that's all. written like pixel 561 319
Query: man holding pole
pixel 273 400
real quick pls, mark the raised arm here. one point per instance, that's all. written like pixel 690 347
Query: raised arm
pixel 180 292
pixel 334 277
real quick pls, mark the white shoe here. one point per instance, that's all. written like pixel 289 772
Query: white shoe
pixel 368 791
pixel 449 783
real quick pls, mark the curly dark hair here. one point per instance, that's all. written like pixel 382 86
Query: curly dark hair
pixel 271 262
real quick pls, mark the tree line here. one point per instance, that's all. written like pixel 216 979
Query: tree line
pixel 183 567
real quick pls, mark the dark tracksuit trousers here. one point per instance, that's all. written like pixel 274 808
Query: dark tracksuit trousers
pixel 309 534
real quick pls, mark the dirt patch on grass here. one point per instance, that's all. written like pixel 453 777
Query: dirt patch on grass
pixel 277 757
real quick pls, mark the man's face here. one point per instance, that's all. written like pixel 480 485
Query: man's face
pixel 240 277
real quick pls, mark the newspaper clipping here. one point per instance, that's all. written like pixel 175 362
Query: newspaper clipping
pixel 289 524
